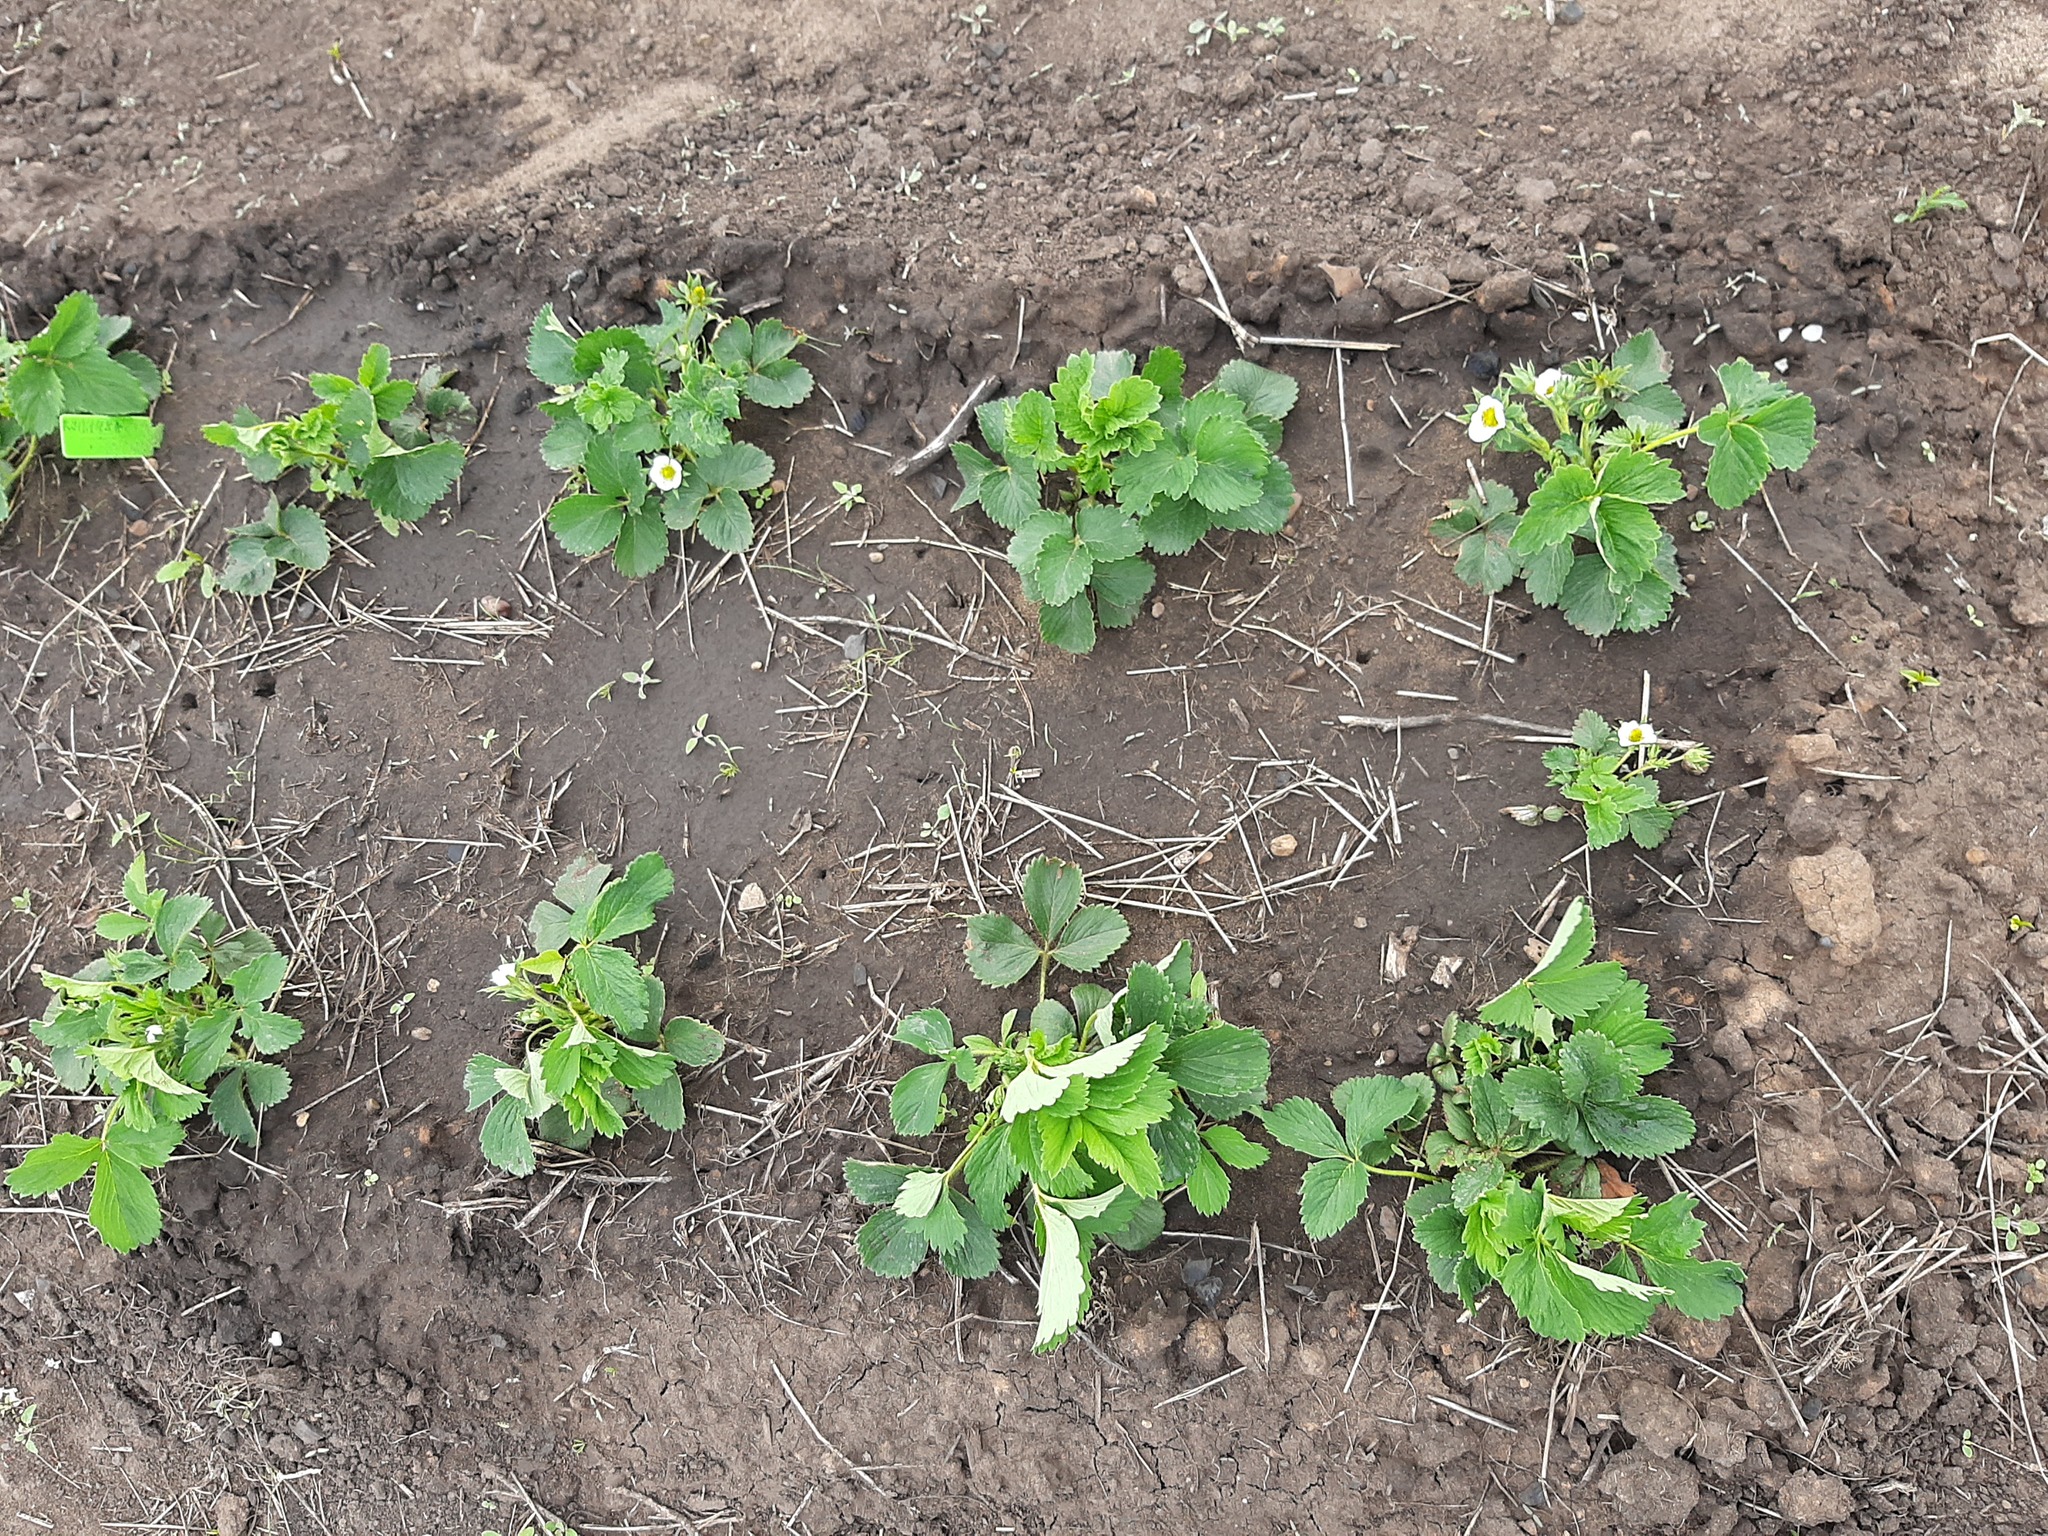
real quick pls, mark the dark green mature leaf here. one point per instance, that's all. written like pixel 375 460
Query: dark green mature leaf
pixel 1263 391
pixel 1306 1127
pixel 1051 891
pixel 999 952
pixel 1090 938
pixel 1481 523
pixel 626 905
pixel 551 350
pixel 611 982
pixel 892 1245
pixel 66 1160
pixel 1372 1106
pixel 1332 1190
pixel 692 1042
pixel 918 1100
pixel 928 1030
pixel 1119 588
pixel 504 1140
pixel 1223 1061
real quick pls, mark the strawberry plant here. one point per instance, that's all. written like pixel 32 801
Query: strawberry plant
pixel 1609 774
pixel 1115 462
pixel 1509 1187
pixel 1089 1114
pixel 1589 541
pixel 371 438
pixel 643 424
pixel 67 368
pixel 594 1042
pixel 175 1019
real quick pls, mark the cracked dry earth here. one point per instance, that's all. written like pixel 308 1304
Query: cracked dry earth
pixel 362 1332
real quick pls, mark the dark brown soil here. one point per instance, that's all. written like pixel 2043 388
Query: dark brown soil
pixel 361 1331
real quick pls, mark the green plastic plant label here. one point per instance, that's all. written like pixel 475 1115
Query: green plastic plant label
pixel 108 437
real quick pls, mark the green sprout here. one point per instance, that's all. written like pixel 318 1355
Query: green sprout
pixel 1915 679
pixel 1940 199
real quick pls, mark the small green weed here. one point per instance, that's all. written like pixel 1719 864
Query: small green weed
pixel 372 438
pixel 643 425
pixel 1610 774
pixel 1148 469
pixel 1941 200
pixel 595 1043
pixel 1528 1096
pixel 67 368
pixel 172 1022
pixel 1604 423
pixel 1916 678
pixel 1095 1107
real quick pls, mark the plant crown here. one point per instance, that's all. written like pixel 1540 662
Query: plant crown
pixel 173 1020
pixel 1509 1188
pixel 1114 462
pixel 371 438
pixel 595 1044
pixel 1089 1113
pixel 67 368
pixel 1611 780
pixel 1589 541
pixel 643 424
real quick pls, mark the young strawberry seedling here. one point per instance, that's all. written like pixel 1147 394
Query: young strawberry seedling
pixel 174 1020
pixel 594 1041
pixel 643 424
pixel 1509 1184
pixel 1609 774
pixel 1099 1108
pixel 371 438
pixel 1599 426
pixel 67 368
pixel 1148 468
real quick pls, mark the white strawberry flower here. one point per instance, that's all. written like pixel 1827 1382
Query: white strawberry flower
pixel 503 975
pixel 154 1033
pixel 1547 382
pixel 1637 733
pixel 1488 417
pixel 664 474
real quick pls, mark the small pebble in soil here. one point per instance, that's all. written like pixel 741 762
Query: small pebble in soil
pixel 496 607
pixel 1483 366
pixel 1283 846
pixel 1159 610
pixel 140 528
pixel 875 557
pixel 1811 332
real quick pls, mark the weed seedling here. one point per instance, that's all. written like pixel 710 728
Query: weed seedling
pixel 2015 1230
pixel 2023 116
pixel 1147 469
pixel 173 1021
pixel 1941 199
pixel 1203 31
pixel 976 21
pixel 699 736
pixel 1915 679
pixel 1527 1098
pixel 594 1042
pixel 2037 1174
pixel 1589 541
pixel 372 438
pixel 1089 1114
pixel 1609 773
pixel 846 497
pixel 67 368
pixel 643 424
